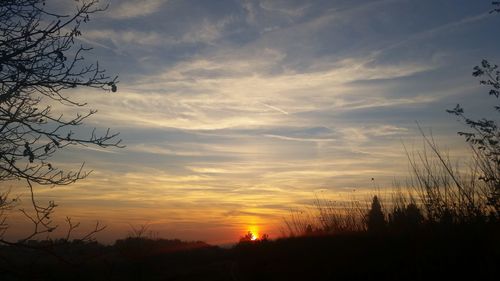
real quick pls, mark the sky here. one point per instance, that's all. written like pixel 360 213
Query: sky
pixel 235 113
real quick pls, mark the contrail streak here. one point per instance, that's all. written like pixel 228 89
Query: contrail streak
pixel 275 108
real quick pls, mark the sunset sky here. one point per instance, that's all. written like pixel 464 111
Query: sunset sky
pixel 236 112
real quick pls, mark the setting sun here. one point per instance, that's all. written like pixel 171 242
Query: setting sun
pixel 254 237
pixel 254 232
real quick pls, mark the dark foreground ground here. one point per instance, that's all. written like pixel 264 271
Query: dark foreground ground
pixel 454 254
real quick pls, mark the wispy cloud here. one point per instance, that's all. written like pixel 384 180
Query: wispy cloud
pixel 208 94
pixel 203 32
pixel 135 8
pixel 242 107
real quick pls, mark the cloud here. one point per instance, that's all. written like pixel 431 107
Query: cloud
pixel 284 7
pixel 266 101
pixel 127 37
pixel 231 92
pixel 135 8
pixel 204 32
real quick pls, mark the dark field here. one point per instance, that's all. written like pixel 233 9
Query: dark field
pixel 455 253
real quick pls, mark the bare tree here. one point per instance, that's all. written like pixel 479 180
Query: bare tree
pixel 496 7
pixel 39 61
pixel 484 137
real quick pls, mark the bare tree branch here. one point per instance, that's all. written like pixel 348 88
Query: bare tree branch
pixel 39 65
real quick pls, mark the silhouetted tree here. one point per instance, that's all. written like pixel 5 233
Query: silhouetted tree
pixel 39 61
pixel 485 135
pixel 264 238
pixel 375 220
pixel 406 218
pixel 496 7
pixel 309 230
pixel 248 237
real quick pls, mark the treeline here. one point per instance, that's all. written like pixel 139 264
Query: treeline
pixel 132 258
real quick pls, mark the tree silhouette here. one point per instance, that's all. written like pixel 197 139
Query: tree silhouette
pixel 496 7
pixel 406 218
pixel 484 137
pixel 375 220
pixel 39 61
pixel 248 237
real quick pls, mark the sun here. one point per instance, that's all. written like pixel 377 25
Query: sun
pixel 254 232
pixel 254 237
